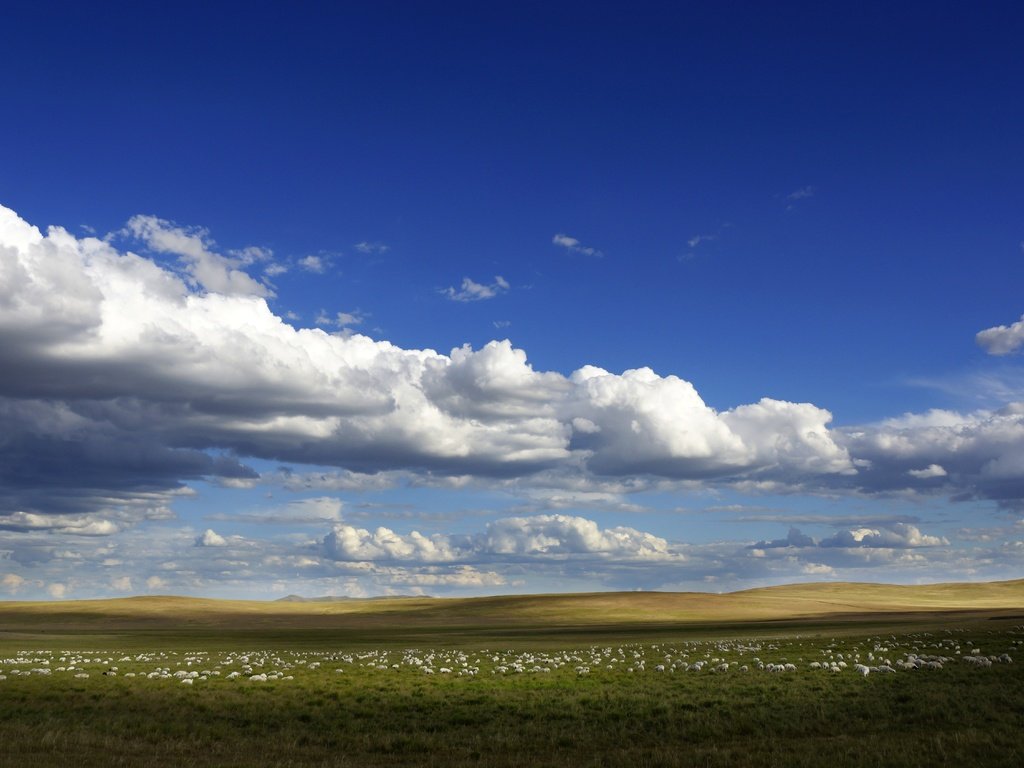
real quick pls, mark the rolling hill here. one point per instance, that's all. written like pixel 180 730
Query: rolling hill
pixel 791 605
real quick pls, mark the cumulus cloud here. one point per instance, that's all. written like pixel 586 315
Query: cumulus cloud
pixel 204 267
pixel 210 538
pixel 543 536
pixel 56 590
pixel 932 470
pixel 641 422
pixel 371 247
pixel 818 569
pixel 314 264
pixel 1002 339
pixel 474 291
pixel 154 583
pixel 573 245
pixel 348 543
pixel 79 525
pixel 801 194
pixel 696 240
pixel 316 511
pixel 894 535
pixel 125 380
pixel 793 539
pixel 11 582
pixel 968 455
pixel 342 320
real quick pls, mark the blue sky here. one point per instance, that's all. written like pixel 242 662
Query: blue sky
pixel 740 288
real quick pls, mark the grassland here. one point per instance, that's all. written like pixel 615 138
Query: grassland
pixel 540 680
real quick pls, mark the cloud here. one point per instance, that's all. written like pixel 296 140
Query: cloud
pixel 473 291
pixel 801 194
pixel 967 455
pixel 348 543
pixel 932 470
pixel 207 269
pixel 348 319
pixel 316 511
pixel 341 319
pixel 895 536
pixel 640 422
pixel 569 535
pixel 573 245
pixel 818 569
pixel 1002 339
pixel 793 539
pixel 512 538
pixel 696 240
pixel 209 538
pixel 11 582
pixel 56 590
pixel 78 525
pixel 124 381
pixel 371 247
pixel 154 583
pixel 314 264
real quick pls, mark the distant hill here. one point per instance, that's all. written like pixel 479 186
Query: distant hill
pixel 338 598
pixel 507 617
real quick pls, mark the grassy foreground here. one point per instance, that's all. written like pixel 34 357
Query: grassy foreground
pixel 559 680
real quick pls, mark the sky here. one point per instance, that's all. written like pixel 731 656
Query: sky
pixel 456 299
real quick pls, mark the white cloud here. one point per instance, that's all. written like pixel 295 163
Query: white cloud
pixel 122 382
pixel 932 470
pixel 573 245
pixel 891 535
pixel 79 525
pixel 210 538
pixel 154 583
pixel 205 268
pixel 474 291
pixel 696 240
pixel 348 543
pixel 569 535
pixel 818 569
pixel 895 536
pixel 374 247
pixel 11 582
pixel 314 264
pixel 975 455
pixel 536 536
pixel 1002 339
pixel 57 590
pixel 315 511
pixel 122 584
pixel 801 194
pixel 348 319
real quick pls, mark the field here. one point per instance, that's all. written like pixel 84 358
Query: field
pixel 786 676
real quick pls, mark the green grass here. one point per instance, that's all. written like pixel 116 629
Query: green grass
pixel 958 715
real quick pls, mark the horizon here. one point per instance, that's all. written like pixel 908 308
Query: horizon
pixel 474 301
pixel 369 598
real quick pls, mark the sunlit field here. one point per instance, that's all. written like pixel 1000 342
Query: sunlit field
pixel 280 684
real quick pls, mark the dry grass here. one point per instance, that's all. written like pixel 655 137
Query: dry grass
pixel 788 606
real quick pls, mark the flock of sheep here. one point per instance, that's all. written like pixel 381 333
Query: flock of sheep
pixel 920 651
